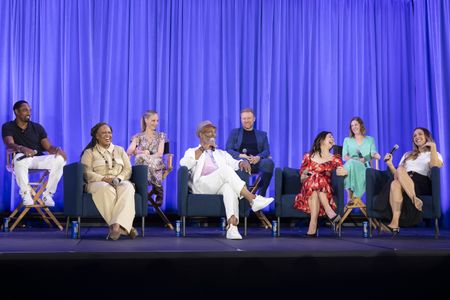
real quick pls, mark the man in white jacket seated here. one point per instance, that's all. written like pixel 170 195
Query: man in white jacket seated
pixel 213 171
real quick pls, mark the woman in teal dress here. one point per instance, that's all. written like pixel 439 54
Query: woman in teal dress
pixel 358 150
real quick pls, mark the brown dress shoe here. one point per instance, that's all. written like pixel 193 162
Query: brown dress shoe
pixel 133 233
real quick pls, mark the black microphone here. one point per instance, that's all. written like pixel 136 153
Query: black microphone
pixel 24 156
pixel 395 148
pixel 359 153
pixel 361 156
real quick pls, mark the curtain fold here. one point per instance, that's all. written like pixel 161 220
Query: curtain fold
pixel 304 66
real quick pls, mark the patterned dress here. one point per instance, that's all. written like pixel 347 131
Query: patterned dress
pixel 156 166
pixel 320 180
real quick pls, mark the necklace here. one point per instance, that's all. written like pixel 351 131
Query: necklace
pixel 113 160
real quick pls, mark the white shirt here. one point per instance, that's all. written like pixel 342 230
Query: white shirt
pixel 421 164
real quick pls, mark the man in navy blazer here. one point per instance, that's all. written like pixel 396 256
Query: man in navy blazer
pixel 253 145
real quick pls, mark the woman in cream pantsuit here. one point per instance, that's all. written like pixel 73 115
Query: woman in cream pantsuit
pixel 107 169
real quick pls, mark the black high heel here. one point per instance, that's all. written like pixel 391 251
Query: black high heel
pixel 334 221
pixel 313 235
pixel 394 231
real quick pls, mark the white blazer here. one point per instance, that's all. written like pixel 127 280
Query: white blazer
pixel 195 167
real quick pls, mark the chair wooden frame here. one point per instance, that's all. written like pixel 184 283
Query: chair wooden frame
pixel 37 188
pixel 169 168
pixel 259 214
pixel 357 203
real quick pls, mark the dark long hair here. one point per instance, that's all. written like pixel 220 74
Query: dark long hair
pixel 94 130
pixel 316 145
pixel 412 155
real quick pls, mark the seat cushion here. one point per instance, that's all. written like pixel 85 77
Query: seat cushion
pixel 287 207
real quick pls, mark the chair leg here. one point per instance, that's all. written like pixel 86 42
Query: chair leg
pixel 279 227
pixel 436 228
pixel 19 218
pixel 67 227
pixel 370 227
pixel 245 226
pixel 79 228
pixel 161 213
pixel 183 221
pixel 143 226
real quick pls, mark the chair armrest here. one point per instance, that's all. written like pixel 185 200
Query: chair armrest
pixel 73 189
pixel 182 190
pixel 375 181
pixel 337 184
pixel 436 191
pixel 169 158
pixel 139 178
pixel 377 163
pixel 169 165
pixel 278 190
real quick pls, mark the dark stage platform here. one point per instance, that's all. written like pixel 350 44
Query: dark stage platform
pixel 207 265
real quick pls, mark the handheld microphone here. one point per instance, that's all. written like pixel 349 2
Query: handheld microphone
pixel 361 156
pixel 212 142
pixel 359 153
pixel 24 156
pixel 395 148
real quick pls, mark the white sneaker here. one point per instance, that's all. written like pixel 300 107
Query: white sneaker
pixel 233 233
pixel 48 200
pixel 26 199
pixel 260 202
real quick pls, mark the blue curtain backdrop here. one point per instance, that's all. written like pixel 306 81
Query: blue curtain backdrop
pixel 304 66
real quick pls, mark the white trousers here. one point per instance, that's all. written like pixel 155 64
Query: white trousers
pixel 223 181
pixel 115 204
pixel 54 164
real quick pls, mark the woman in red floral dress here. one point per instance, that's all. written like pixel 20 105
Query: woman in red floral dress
pixel 316 196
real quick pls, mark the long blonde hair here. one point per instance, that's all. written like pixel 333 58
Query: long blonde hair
pixel 412 155
pixel 146 115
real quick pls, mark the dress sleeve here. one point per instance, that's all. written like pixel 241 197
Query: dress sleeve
pixel 337 161
pixel 373 147
pixel 403 159
pixel 440 158
pixel 345 148
pixel 136 138
pixel 162 137
pixel 305 163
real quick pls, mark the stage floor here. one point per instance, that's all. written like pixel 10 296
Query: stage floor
pixel 206 265
pixel 258 242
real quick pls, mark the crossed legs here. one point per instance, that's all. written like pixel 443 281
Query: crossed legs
pixel 402 183
pixel 315 201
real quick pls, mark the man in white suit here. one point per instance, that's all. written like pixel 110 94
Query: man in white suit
pixel 213 171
